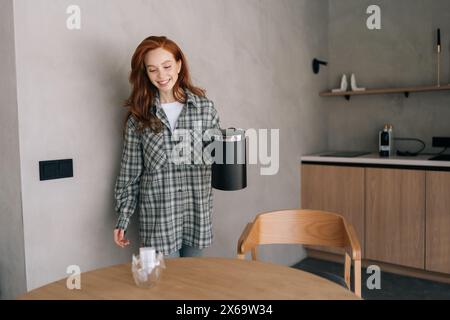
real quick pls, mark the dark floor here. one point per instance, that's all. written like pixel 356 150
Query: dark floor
pixel 393 287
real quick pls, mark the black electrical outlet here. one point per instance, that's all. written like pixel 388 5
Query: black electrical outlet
pixel 55 169
pixel 441 142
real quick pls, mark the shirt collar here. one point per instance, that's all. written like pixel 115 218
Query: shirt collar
pixel 190 99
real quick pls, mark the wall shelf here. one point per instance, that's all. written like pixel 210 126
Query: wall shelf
pixel 406 91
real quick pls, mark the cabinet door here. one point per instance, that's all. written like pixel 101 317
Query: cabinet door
pixel 336 189
pixel 395 216
pixel 438 222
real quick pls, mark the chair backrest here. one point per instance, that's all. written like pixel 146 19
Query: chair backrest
pixel 308 227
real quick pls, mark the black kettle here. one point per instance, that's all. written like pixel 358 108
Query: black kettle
pixel 229 169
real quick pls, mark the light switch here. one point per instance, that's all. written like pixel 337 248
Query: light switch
pixel 55 169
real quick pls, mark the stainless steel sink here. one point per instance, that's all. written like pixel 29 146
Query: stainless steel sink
pixel 441 157
pixel 345 154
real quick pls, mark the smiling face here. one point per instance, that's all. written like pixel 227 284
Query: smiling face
pixel 162 70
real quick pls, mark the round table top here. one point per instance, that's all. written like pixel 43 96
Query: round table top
pixel 200 278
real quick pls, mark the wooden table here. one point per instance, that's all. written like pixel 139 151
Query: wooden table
pixel 200 278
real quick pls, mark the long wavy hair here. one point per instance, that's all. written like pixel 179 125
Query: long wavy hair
pixel 144 92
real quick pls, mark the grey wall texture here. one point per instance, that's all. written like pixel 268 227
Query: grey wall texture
pixel 401 54
pixel 12 257
pixel 254 59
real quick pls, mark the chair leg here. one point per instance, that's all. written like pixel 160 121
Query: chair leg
pixel 348 266
pixel 254 254
pixel 358 278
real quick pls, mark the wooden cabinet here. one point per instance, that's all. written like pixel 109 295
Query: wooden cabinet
pixel 395 216
pixel 401 215
pixel 337 189
pixel 438 221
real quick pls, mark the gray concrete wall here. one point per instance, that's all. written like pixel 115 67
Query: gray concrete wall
pixel 401 54
pixel 12 257
pixel 253 57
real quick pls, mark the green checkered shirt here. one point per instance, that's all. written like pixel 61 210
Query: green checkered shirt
pixel 174 200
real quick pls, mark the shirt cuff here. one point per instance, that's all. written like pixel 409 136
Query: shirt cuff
pixel 122 223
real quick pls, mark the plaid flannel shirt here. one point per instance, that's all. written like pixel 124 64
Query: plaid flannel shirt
pixel 174 200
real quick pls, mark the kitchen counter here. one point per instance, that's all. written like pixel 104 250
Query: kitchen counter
pixel 375 160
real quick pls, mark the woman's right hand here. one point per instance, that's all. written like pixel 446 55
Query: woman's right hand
pixel 119 238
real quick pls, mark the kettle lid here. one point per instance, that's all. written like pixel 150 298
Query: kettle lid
pixel 230 135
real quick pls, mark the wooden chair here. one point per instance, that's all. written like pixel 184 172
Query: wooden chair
pixel 308 227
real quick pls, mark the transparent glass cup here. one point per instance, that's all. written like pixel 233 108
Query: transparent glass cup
pixel 147 276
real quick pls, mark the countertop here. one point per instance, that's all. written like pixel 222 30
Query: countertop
pixel 375 159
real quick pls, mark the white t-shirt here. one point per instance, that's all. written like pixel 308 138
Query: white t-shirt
pixel 172 111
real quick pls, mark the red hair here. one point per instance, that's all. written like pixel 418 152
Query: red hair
pixel 143 92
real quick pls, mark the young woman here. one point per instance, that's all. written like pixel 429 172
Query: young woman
pixel 174 199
